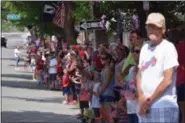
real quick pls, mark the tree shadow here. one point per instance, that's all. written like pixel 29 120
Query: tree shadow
pixel 23 84
pixel 36 116
pixel 20 65
pixel 11 59
pixel 25 71
pixel 43 100
pixel 21 76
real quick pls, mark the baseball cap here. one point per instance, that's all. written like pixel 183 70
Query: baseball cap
pixel 156 19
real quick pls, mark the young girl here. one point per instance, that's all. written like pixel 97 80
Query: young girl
pixel 95 104
pixel 84 98
pixel 39 69
pixel 76 79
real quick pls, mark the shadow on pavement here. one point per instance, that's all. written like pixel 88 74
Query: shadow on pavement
pixel 12 65
pixel 21 76
pixel 11 59
pixel 43 100
pixel 23 71
pixel 22 84
pixel 35 116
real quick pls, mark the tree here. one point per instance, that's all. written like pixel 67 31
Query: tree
pixel 32 13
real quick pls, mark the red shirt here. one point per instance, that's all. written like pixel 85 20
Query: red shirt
pixel 84 95
pixel 39 64
pixel 99 65
pixel 59 66
pixel 181 59
pixel 34 50
pixel 82 54
pixel 181 50
pixel 65 80
pixel 75 48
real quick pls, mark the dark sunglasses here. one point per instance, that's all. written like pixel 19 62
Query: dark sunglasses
pixel 136 51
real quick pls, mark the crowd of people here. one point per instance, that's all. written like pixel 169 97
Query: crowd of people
pixel 114 82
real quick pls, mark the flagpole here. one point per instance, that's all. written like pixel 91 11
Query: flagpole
pixel 94 31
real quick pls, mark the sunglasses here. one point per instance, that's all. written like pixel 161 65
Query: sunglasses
pixel 136 51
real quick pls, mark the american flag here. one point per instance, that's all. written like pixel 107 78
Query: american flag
pixel 59 15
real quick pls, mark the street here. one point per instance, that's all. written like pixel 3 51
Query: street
pixel 22 99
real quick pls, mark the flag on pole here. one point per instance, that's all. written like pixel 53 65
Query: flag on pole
pixel 59 15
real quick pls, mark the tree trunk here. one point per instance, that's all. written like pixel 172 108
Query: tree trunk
pixel 70 36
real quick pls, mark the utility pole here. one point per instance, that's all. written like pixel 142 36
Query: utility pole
pixel 91 6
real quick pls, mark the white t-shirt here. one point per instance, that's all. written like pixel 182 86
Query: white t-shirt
pixel 16 52
pixel 95 100
pixel 153 62
pixel 53 62
pixel 132 104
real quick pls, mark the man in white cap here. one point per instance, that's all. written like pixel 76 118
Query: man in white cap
pixel 157 75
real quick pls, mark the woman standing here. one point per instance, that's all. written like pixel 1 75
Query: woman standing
pixel 105 91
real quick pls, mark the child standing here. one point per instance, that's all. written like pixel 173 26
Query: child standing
pixel 95 104
pixel 66 87
pixel 53 70
pixel 39 69
pixel 76 79
pixel 17 57
pixel 84 98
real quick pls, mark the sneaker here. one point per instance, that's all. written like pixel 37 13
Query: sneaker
pixel 64 102
pixel 72 103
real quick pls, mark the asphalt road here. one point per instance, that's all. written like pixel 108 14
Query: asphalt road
pixel 22 99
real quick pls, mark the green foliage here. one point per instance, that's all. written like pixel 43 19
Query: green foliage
pixel 32 12
pixel 81 11
pixel 8 26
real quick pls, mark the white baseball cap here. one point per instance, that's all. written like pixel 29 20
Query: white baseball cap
pixel 156 19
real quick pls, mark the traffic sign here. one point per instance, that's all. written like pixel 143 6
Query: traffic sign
pixel 90 25
pixel 13 16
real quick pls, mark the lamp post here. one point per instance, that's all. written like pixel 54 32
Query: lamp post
pixel 146 6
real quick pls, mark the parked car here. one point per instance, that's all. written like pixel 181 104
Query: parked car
pixel 3 42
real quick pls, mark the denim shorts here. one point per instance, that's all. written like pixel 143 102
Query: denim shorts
pixel 67 90
pixel 77 88
pixel 53 77
pixel 133 118
pixel 106 99
pixel 17 59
